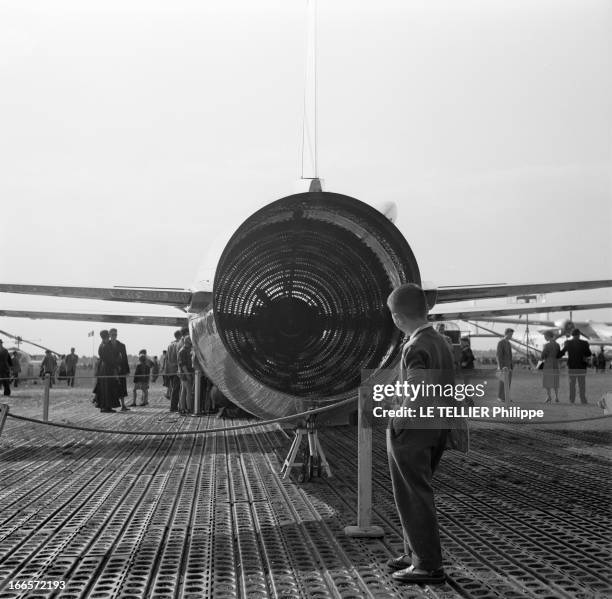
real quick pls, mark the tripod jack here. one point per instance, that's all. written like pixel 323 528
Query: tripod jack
pixel 313 461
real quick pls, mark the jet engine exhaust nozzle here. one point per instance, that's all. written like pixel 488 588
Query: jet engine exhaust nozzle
pixel 300 293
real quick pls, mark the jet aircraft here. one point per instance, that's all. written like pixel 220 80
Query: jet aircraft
pixel 598 334
pixel 296 307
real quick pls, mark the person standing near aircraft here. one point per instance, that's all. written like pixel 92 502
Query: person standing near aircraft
pixel 141 379
pixel 6 364
pixel 467 359
pixel 16 368
pixel 163 362
pixel 186 371
pixel 503 356
pixel 550 369
pixel 181 341
pixel 601 360
pixel 154 369
pixel 61 371
pixel 48 366
pixel 172 371
pixel 108 385
pixel 414 448
pixel 578 353
pixel 124 367
pixel 71 363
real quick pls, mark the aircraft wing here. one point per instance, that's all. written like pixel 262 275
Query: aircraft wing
pixel 165 297
pixel 471 292
pixel 520 321
pixel 166 321
pixel 497 314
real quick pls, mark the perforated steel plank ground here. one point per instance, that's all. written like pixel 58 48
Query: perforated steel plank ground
pixel 526 514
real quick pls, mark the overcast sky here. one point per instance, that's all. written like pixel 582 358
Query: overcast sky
pixel 133 133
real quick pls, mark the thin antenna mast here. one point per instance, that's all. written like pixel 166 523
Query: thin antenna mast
pixel 311 101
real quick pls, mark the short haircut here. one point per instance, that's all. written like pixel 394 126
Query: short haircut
pixel 112 330
pixel 548 334
pixel 104 334
pixel 408 300
pixel 508 330
pixel 177 334
pixel 576 333
pixel 185 331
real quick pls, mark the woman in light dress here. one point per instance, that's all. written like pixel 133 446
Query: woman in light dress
pixel 550 355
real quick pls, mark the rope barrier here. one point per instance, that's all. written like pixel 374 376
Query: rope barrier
pixel 477 373
pixel 82 376
pixel 274 421
pixel 177 433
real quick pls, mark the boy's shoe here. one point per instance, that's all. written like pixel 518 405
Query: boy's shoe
pixel 414 575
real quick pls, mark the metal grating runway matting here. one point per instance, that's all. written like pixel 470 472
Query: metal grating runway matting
pixel 526 514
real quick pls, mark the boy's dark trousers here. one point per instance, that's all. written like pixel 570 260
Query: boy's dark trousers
pixel 413 456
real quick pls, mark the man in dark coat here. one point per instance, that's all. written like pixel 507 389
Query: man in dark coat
pixel 124 367
pixel 107 388
pixel 48 366
pixel 16 369
pixel 5 369
pixel 415 445
pixel 503 355
pixel 172 372
pixel 578 353
pixel 71 364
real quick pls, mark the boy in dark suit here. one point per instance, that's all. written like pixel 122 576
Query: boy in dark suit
pixel 415 447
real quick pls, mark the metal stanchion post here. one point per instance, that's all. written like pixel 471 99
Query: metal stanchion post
pixel 364 526
pixel 4 410
pixel 196 392
pixel 46 397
